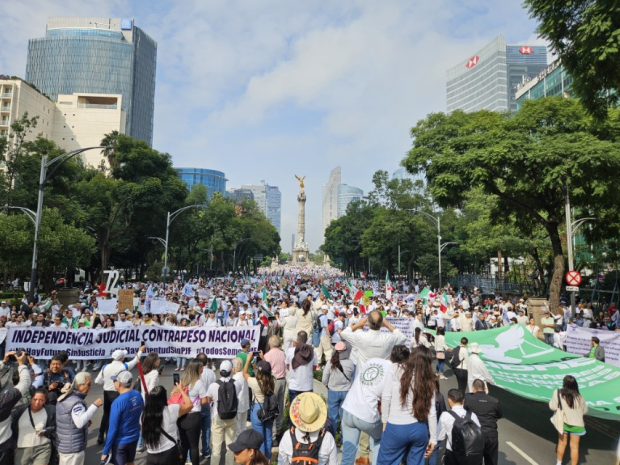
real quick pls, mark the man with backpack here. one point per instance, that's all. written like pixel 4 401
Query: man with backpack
pixel 458 361
pixel 465 444
pixel 222 395
pixel 325 337
pixel 488 411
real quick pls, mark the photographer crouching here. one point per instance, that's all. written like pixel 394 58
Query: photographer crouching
pixel 8 399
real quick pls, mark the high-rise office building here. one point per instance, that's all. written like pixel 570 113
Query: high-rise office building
pixel 330 197
pixel 337 197
pixel 551 82
pixel 98 56
pixel 346 195
pixel 269 201
pixel 213 180
pixel 488 80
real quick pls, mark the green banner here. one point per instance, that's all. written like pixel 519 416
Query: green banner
pixel 526 366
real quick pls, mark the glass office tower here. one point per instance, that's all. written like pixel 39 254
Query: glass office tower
pixel 488 79
pixel 213 180
pixel 102 56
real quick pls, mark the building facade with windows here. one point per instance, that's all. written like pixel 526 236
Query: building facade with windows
pixel 98 56
pixel 76 121
pixel 269 201
pixel 488 79
pixel 346 195
pixel 337 197
pixel 551 82
pixel 213 180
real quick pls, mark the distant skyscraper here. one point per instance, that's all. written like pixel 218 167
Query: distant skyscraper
pixel 551 82
pixel 489 79
pixel 100 56
pixel 337 197
pixel 330 197
pixel 240 195
pixel 269 200
pixel 418 179
pixel 214 181
pixel 346 195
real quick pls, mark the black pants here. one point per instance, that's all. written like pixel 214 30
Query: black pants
pixel 491 451
pixel 189 431
pixel 167 457
pixel 108 398
pixel 6 457
pixel 461 379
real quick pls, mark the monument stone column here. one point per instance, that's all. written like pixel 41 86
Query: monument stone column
pixel 300 251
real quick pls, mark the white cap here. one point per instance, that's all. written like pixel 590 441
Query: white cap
pixel 226 366
pixel 118 354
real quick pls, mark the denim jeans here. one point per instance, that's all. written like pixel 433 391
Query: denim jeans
pixel 263 428
pixel 440 365
pixel 351 429
pixel 181 362
pixel 548 338
pixel 448 320
pixel 335 399
pixel 432 460
pixel 205 429
pixel 397 440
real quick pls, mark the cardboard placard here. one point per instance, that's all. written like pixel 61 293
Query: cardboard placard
pixel 125 299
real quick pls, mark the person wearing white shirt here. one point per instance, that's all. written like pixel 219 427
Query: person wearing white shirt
pixel 446 422
pixel 476 368
pixel 289 323
pixel 211 321
pixel 437 318
pixel 243 396
pixel 123 322
pixel 417 322
pixel 372 343
pixel 301 361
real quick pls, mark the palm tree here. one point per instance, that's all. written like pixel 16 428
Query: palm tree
pixel 110 141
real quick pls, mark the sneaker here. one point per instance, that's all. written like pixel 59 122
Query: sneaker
pixel 442 377
pixel 177 369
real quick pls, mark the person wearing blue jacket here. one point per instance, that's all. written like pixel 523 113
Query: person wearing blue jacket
pixel 124 428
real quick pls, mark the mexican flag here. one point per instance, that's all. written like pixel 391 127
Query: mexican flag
pixel 213 304
pixel 444 301
pixel 264 297
pixel 326 292
pixel 424 293
pixel 358 295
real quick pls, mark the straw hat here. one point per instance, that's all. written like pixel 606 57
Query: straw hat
pixel 308 412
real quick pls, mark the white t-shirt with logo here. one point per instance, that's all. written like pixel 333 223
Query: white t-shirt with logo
pixel 363 398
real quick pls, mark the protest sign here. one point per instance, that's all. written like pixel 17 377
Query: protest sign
pixel 125 299
pixel 405 325
pixel 167 341
pixel 163 307
pixel 526 366
pixel 578 342
pixel 204 294
pixel 106 306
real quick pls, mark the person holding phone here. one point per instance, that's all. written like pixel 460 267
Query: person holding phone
pixel 34 429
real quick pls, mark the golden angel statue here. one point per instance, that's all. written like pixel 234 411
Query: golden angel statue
pixel 301 182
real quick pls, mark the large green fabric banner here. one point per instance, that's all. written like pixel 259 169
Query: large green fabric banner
pixel 528 367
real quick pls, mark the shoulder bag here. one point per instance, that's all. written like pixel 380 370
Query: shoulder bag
pixel 558 417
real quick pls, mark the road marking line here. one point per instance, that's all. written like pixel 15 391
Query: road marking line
pixel 521 453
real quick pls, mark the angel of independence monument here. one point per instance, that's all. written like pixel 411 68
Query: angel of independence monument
pixel 300 251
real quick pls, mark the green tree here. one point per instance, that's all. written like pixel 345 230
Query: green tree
pixel 525 161
pixel 585 34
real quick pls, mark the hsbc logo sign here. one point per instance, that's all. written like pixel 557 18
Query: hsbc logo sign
pixel 526 50
pixel 473 61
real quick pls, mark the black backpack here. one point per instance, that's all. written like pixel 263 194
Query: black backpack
pixel 270 409
pixel 467 440
pixel 227 400
pixel 454 360
pixel 306 454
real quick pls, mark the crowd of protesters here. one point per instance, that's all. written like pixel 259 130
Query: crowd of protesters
pixel 383 388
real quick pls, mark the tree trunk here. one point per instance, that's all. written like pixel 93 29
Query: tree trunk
pixel 555 286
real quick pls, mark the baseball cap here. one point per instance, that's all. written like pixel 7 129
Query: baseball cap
pixel 264 367
pixel 248 439
pixel 124 377
pixel 226 367
pixel 245 342
pixel 118 354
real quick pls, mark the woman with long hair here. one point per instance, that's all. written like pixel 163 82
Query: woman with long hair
pixel 441 349
pixel 338 377
pixel 264 383
pixel 419 339
pixel 304 317
pixel 247 448
pixel 151 378
pixel 408 411
pixel 574 408
pixel 159 425
pixel 189 425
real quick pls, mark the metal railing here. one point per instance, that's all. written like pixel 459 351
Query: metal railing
pixel 94 105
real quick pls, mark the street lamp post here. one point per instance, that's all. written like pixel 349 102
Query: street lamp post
pixel 43 178
pixel 399 254
pixel 29 213
pixel 169 219
pixel 437 221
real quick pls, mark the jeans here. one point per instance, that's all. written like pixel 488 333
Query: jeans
pixel 548 338
pixel 293 394
pixel 205 428
pixel 123 454
pixel 432 460
pixel 448 320
pixel 335 399
pixel 263 428
pixel 181 362
pixel 351 429
pixel 397 440
pixel 441 365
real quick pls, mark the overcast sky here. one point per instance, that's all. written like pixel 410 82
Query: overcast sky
pixel 263 90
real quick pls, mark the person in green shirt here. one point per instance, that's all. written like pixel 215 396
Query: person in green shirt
pixel 243 355
pixel 69 319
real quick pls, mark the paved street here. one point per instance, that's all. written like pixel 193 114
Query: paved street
pixel 526 434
